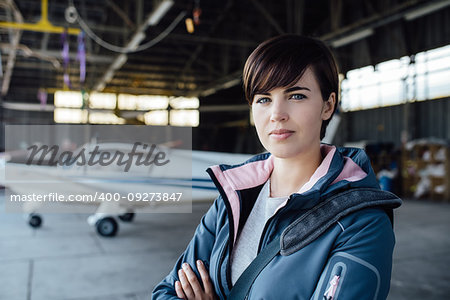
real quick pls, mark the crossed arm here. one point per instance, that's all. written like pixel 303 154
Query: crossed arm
pixel 359 268
pixel 189 286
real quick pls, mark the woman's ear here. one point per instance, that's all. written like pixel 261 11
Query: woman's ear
pixel 328 107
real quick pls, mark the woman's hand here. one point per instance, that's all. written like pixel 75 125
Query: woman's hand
pixel 189 287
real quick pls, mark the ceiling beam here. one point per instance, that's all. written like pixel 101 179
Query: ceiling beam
pixel 108 28
pixel 53 54
pixel 297 15
pixel 224 108
pixel 200 47
pixel 225 82
pixel 195 39
pixel 141 91
pixel 211 69
pixel 369 23
pixel 376 20
pixel 268 16
pixel 121 14
pixel 335 14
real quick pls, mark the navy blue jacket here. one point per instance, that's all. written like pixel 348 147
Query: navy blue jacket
pixel 352 259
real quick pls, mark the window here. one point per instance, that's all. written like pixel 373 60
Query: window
pixel 398 81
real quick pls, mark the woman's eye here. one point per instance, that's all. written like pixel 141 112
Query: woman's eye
pixel 262 100
pixel 297 96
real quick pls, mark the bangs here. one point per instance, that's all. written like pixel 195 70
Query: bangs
pixel 276 73
pixel 280 62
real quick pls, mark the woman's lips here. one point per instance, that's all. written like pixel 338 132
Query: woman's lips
pixel 280 134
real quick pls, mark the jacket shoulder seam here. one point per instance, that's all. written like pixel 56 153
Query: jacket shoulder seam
pixel 342 226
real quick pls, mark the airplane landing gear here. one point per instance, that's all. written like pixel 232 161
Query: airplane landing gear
pixel 34 220
pixel 127 217
pixel 107 227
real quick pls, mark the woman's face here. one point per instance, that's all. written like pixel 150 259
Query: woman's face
pixel 288 119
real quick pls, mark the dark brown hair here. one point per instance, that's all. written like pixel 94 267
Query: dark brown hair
pixel 281 62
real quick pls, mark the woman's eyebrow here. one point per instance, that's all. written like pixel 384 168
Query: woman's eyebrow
pixel 295 88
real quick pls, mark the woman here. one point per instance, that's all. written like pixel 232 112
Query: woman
pixel 291 83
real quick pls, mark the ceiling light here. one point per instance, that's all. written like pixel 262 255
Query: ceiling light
pixel 108 76
pixel 119 62
pixel 100 87
pixel 359 35
pixel 189 25
pixel 159 12
pixel 135 41
pixel 422 11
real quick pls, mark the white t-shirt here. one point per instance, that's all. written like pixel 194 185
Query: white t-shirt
pixel 246 247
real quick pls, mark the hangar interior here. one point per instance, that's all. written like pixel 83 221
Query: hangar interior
pixel 179 63
pixel 133 49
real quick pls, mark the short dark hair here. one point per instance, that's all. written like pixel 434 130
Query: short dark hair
pixel 282 60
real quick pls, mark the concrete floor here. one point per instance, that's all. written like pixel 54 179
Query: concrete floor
pixel 66 259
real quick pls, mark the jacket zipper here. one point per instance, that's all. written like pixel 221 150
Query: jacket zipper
pixel 229 212
pixel 335 280
pixel 228 269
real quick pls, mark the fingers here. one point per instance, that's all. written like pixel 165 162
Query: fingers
pixel 205 278
pixel 193 279
pixel 189 286
pixel 179 290
pixel 185 284
pixel 189 282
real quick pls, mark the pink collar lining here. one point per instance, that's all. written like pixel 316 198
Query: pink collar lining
pixel 256 173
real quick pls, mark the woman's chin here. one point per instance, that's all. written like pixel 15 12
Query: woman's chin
pixel 284 154
pixel 288 152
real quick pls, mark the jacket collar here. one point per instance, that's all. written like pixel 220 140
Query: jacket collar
pixel 338 164
pixel 340 168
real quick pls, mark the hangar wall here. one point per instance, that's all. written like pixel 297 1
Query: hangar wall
pixel 386 124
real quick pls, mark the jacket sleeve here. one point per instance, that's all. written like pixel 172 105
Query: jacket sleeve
pixel 360 265
pixel 199 247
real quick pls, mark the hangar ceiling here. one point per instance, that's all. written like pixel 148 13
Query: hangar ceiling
pixel 208 60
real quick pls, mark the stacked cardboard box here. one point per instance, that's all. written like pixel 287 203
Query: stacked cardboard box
pixel 426 170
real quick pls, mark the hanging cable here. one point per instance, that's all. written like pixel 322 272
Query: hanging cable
pixel 73 14
pixel 163 34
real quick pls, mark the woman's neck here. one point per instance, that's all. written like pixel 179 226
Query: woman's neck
pixel 290 174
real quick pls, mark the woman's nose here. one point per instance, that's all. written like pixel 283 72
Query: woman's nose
pixel 279 112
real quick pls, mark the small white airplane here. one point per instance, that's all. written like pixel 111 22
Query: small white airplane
pixel 149 187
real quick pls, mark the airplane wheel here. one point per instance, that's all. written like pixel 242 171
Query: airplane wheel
pixel 35 220
pixel 107 227
pixel 127 217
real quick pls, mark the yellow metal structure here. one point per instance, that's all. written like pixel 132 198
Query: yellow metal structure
pixel 43 25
